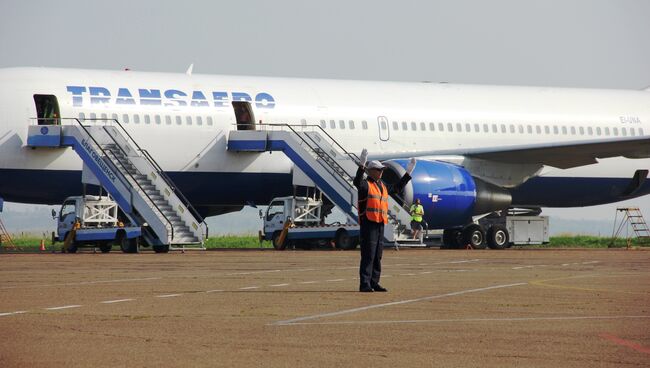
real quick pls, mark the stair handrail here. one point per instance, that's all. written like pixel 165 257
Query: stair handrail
pixel 163 175
pixel 125 184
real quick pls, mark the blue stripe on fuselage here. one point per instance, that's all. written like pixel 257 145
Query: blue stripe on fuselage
pixel 205 189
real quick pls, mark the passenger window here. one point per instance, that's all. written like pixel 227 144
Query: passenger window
pixel 503 129
pixel 423 126
pixel 590 130
pixel 114 116
pixel 547 130
pixel 351 124
pixel 147 119
pixel 364 125
pixel 199 120
pixel 486 128
pixel 459 127
pixel 157 119
pixel 529 129
pixel 104 117
pixel 341 124
pixel 494 128
pixel 624 132
pixel 168 120
pixel 432 127
pixel 615 131
pixel 512 129
pixel 93 116
pixel 521 129
pixel 396 126
pixel 414 126
pixel 383 124
pixel 632 132
pixel 450 127
pixel 538 129
pixel 333 124
pixel 555 130
pixel 573 130
pixel 179 120
pixel 598 131
pixel 136 119
pixel 188 120
pixel 564 130
pixel 82 116
pixel 323 124
pixel 582 130
pixel 303 122
pixel 209 120
pixel 125 119
pixel 405 126
pixel 641 131
pixel 477 127
pixel 441 127
pixel 607 131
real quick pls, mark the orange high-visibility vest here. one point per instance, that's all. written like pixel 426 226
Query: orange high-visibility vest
pixel 377 203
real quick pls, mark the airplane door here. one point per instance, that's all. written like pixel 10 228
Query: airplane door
pixel 384 128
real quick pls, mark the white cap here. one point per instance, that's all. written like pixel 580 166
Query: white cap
pixel 375 165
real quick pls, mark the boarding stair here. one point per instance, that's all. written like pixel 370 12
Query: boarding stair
pixel 327 164
pixel 145 194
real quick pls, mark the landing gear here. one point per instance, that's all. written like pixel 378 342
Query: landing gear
pixel 472 235
pixel 498 237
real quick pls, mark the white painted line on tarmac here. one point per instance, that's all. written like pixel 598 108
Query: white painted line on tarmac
pixel 168 295
pixel 214 291
pixel 249 288
pixel 309 282
pixel 12 313
pixel 401 302
pixel 335 280
pixel 82 283
pixel 461 320
pixel 116 301
pixel 279 285
pixel 64 307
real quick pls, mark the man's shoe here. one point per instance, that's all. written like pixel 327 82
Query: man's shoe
pixel 379 288
pixel 365 289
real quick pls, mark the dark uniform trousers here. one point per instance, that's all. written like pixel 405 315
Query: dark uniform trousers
pixel 372 239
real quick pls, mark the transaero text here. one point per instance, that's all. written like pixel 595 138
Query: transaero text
pixel 83 95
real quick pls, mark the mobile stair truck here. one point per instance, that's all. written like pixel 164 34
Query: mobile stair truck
pixel 93 221
pixel 297 221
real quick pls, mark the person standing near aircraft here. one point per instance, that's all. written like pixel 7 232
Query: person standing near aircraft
pixel 417 211
pixel 373 214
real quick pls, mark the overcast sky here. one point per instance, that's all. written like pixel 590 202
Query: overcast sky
pixel 599 44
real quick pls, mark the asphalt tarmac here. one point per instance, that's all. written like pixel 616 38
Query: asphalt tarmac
pixel 455 308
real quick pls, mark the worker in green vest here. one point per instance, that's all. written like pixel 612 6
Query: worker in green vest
pixel 417 211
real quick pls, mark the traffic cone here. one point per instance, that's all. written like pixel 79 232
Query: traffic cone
pixel 42 249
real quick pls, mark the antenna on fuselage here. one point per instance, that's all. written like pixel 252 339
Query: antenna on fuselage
pixel 189 70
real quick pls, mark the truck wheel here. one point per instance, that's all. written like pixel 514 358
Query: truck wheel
pixel 161 248
pixel 128 245
pixel 105 247
pixel 473 235
pixel 72 248
pixel 276 244
pixel 498 237
pixel 343 240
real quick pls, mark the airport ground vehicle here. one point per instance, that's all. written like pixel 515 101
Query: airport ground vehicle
pixel 297 221
pixel 93 221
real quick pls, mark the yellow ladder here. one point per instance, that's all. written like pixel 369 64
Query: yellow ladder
pixel 5 238
pixel 632 219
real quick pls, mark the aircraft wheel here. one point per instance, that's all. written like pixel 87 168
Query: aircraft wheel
pixel 498 237
pixel 473 235
pixel 276 241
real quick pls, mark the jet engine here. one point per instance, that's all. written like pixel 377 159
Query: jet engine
pixel 449 194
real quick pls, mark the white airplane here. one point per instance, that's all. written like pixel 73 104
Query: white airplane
pixel 486 147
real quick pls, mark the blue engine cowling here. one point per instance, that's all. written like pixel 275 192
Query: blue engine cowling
pixel 449 194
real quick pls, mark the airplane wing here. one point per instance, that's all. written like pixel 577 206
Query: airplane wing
pixel 562 155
